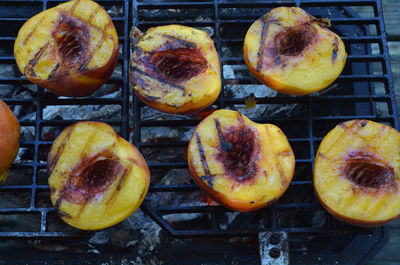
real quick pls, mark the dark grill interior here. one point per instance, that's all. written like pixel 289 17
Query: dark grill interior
pixel 364 90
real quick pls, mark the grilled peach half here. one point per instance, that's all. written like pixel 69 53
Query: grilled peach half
pixel 97 179
pixel 241 164
pixel 292 52
pixel 9 139
pixel 174 68
pixel 71 49
pixel 356 173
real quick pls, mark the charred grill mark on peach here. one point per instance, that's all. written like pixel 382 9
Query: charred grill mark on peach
pixel 122 178
pixel 64 214
pixel 208 179
pixel 93 14
pixel 335 49
pixel 85 64
pixel 261 52
pixel 203 156
pixel 52 160
pixel 29 69
pixel 136 49
pixel 240 120
pixel 88 143
pixel 182 43
pixel 58 210
pixel 71 10
pixel 287 152
pixel 33 31
pixel 151 98
pixel 281 174
pixel 53 72
pixel 322 156
pixel 158 79
pixel 89 58
pixel 226 146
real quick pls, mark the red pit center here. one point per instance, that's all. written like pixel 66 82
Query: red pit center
pixel 177 65
pixel 72 40
pixel 237 153
pixel 292 41
pixel 91 178
pixel 364 170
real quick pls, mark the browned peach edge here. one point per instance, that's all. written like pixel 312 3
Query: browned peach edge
pixel 186 108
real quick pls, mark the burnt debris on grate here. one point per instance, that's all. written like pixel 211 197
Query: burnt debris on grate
pixel 364 90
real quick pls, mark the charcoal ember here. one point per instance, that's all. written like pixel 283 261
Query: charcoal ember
pixel 115 11
pixel 24 155
pixel 7 70
pixel 121 238
pixel 99 238
pixel 177 199
pixel 260 111
pixel 18 177
pixel 227 52
pixel 27 134
pixel 105 111
pixel 177 176
pixel 150 240
pixel 227 219
pixel 6 90
pixel 51 247
pixel 188 134
pixel 78 112
pixel 327 90
pixel 301 218
pixel 280 111
pixel 148 113
pixel 235 72
pixel 108 90
pixel 140 232
pixel 242 91
pixel 163 155
pixel 151 133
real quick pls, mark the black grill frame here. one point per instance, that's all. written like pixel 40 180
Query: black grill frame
pixel 131 17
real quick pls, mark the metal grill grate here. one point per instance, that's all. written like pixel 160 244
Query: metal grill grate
pixel 364 90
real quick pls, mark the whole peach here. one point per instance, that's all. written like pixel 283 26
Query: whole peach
pixel 9 139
